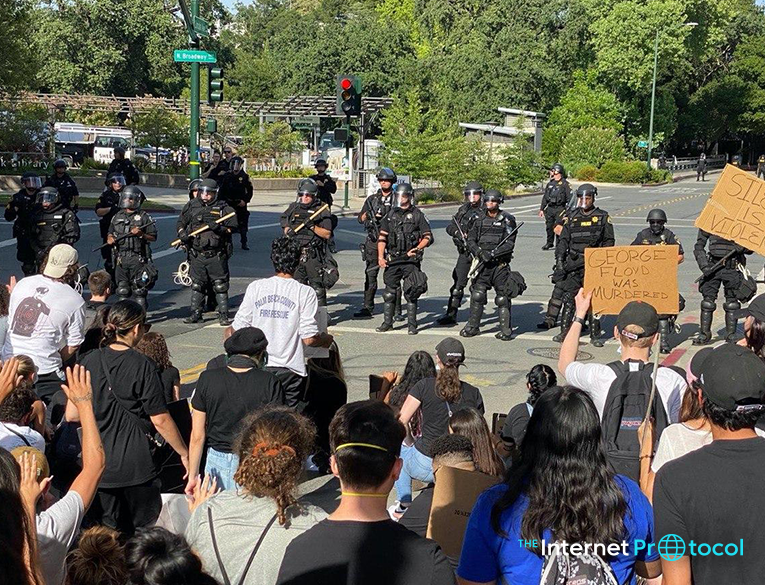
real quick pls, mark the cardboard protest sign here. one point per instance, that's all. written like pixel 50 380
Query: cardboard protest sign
pixel 621 274
pixel 453 498
pixel 736 209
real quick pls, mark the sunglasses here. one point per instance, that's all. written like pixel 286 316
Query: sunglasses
pixel 227 152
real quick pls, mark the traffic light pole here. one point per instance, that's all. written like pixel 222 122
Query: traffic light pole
pixel 194 110
pixel 348 158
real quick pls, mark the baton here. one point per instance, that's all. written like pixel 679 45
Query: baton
pixel 122 237
pixel 204 228
pixel 478 266
pixel 314 214
pixel 716 266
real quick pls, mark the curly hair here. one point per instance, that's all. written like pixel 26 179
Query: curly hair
pixel 285 255
pixel 272 447
pixel 98 560
pixel 540 378
pixel 5 299
pixel 154 347
pixel 448 385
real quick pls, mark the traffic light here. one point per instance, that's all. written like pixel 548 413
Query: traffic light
pixel 214 85
pixel 212 126
pixel 348 92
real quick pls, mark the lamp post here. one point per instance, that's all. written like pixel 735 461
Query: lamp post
pixel 653 90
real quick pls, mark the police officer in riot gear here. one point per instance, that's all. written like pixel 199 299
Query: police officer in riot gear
pixel 556 196
pixel 123 166
pixel 129 235
pixel 106 208
pixel 659 235
pixel 52 224
pixel 761 167
pixel 491 241
pixel 719 260
pixel 326 184
pixel 404 234
pixel 458 229
pixel 64 184
pixel 19 210
pixel 317 268
pixel 209 251
pixel 375 208
pixel 236 190
pixel 586 227
pixel 701 167
pixel 193 187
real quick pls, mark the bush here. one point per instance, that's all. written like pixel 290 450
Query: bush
pixel 430 195
pixel 592 146
pixel 586 173
pixel 623 172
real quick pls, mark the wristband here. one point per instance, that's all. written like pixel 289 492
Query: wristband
pixel 579 320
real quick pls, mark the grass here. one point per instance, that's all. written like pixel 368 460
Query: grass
pixel 90 203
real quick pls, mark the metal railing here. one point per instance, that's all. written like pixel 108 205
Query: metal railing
pixel 689 163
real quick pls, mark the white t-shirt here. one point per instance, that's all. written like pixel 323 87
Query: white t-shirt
pixel 10 439
pixel 285 311
pixel 596 380
pixel 45 316
pixel 57 528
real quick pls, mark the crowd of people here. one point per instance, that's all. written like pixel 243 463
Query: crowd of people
pixel 286 482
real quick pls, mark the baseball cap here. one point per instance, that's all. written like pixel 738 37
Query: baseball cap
pixel 693 369
pixel 450 351
pixel 641 314
pixel 246 341
pixel 733 378
pixel 60 257
pixel 755 309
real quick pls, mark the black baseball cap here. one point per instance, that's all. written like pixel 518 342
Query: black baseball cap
pixel 641 314
pixel 246 341
pixel 450 351
pixel 733 378
pixel 755 309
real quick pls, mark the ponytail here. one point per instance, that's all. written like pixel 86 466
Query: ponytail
pixel 448 385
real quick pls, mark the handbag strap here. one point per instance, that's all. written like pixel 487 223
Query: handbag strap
pixel 19 435
pixel 226 580
pixel 135 418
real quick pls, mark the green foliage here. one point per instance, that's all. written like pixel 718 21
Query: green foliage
pixel 159 127
pixel 587 173
pixel 18 62
pixel 594 146
pixel 23 127
pixel 622 172
pixel 274 143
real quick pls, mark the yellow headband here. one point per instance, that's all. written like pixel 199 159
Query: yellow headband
pixel 367 445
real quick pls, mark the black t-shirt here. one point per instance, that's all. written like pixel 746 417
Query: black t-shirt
pixel 436 411
pixel 363 553
pixel 137 389
pixel 169 377
pixel 219 361
pixel 227 397
pixel 516 422
pixel 713 495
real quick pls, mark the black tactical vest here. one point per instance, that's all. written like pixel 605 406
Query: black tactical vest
pixel 587 231
pixel 492 230
pixel 123 222
pixel 404 234
pixel 49 226
pixel 297 215
pixel 199 216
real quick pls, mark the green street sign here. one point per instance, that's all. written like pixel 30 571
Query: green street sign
pixel 201 27
pixel 192 56
pixel 643 144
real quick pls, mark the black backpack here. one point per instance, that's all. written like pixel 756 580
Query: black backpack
pixel 626 405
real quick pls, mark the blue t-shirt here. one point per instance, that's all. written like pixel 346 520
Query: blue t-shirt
pixel 486 556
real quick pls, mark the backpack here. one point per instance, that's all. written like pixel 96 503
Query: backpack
pixel 561 567
pixel 626 406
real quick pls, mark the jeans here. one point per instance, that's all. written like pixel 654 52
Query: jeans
pixel 222 466
pixel 416 466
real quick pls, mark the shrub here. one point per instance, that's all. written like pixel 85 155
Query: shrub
pixel 586 173
pixel 593 146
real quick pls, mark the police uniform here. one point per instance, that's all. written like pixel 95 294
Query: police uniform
pixel 701 168
pixel 402 230
pixel 19 210
pixel 492 240
pixel 761 167
pixel 556 196
pixel 316 264
pixel 110 200
pixel 376 207
pixel 464 218
pixel 56 225
pixel 327 187
pixel 582 229
pixel 209 252
pixel 235 188
pixel 555 303
pixel 708 250
pixel 134 272
pixel 126 168
pixel 66 187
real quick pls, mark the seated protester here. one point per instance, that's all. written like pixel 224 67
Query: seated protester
pixel 715 494
pixel 222 399
pixel 419 366
pixel 225 530
pixel 540 378
pixel 448 451
pixel 158 557
pixel 59 524
pixel 27 372
pixel 17 421
pixel 471 424
pixel 358 542
pixel 99 559
pixel 440 398
pixel 560 489
pixel 100 286
pixel 154 347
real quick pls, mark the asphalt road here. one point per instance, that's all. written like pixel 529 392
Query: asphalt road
pixel 497 368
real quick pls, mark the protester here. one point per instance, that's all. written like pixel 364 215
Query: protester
pixel 129 406
pixel 253 525
pixel 17 421
pixel 359 543
pixel 561 489
pixel 5 298
pixel 714 494
pixel 154 347
pixel 470 423
pixel 754 326
pixel 94 332
pixel 100 287
pixel 225 396
pixel 419 366
pixel 47 319
pixel 158 557
pixel 539 379
pixel 285 311
pixel 99 559
pixel 440 398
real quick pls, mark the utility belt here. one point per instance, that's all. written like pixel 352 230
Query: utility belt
pixel 207 253
pixel 142 258
pixel 312 250
pixel 731 263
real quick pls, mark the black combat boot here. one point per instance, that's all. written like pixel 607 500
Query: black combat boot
pixel 387 324
pixel 505 323
pixel 450 318
pixel 595 331
pixel 566 317
pixel 731 322
pixel 411 317
pixel 197 299
pixel 222 300
pixel 704 335
pixel 664 329
pixel 397 315
pixel 553 310
pixel 474 320
pixel 369 303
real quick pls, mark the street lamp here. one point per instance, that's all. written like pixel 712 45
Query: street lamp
pixel 653 89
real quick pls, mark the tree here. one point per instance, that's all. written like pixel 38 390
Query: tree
pixel 159 127
pixel 18 64
pixel 273 144
pixel 23 127
pixel 592 146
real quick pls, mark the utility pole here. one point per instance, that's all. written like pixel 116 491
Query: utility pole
pixel 194 126
pixel 350 162
pixel 653 98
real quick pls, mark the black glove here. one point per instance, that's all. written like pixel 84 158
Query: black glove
pixel 559 275
pixel 214 227
pixel 740 249
pixel 290 232
pixel 707 270
pixel 473 247
pixel 185 238
pixel 485 256
pixel 573 255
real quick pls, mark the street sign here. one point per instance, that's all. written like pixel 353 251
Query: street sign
pixel 201 27
pixel 643 144
pixel 192 56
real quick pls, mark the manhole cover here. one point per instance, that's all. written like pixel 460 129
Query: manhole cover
pixel 553 353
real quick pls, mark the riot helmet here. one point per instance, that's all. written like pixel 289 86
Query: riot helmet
pixel 404 196
pixel 193 186
pixel 119 152
pixel 116 181
pixel 473 192
pixel 703 156
pixel 59 164
pixel 131 197
pixel 386 174
pixel 493 196
pixel 558 168
pixel 656 219
pixel 236 164
pixel 584 192
pixel 47 197
pixel 320 162
pixel 307 188
pixel 207 191
pixel 31 181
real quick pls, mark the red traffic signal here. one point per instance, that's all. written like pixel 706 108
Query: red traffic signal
pixel 346 84
pixel 348 95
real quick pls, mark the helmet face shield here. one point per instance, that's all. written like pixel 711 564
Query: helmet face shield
pixel 473 196
pixel 33 182
pixel 117 182
pixel 207 194
pixel 236 164
pixel 130 200
pixel 47 197
pixel 404 196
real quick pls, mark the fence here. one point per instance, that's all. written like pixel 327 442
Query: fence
pixel 689 164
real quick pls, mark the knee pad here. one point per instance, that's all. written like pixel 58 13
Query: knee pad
pixel 478 296
pixel 123 289
pixel 731 306
pixel 220 286
pixel 197 286
pixel 556 302
pixel 389 296
pixel 501 301
pixel 708 305
pixel 458 292
pixel 141 292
